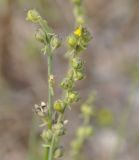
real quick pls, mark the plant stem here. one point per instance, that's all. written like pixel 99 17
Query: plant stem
pixel 49 64
pixel 49 85
pixel 50 155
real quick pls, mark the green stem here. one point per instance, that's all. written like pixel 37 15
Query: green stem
pixel 50 157
pixel 49 63
pixel 49 85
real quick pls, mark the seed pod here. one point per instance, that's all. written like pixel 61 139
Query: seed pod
pixel 33 16
pixel 59 106
pixel 67 83
pixel 47 135
pixel 77 63
pixel 55 42
pixel 72 41
pixel 72 97
pixel 41 110
pixel 58 152
pixel 40 36
pixel 78 75
pixel 58 129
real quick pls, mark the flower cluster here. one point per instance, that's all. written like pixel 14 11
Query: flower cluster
pixel 52 113
pixel 44 33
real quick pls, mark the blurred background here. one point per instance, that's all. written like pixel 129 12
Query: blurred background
pixel 112 71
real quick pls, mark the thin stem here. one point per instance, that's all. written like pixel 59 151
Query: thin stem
pixel 49 63
pixel 51 149
pixel 49 60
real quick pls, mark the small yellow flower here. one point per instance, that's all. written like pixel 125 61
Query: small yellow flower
pixel 33 16
pixel 78 31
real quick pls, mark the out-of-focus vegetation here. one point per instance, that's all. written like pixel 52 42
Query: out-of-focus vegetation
pixel 112 70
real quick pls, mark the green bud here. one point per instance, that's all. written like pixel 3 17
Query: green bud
pixel 47 135
pixel 58 152
pixel 86 35
pixel 80 20
pixel 77 63
pixel 78 75
pixel 72 41
pixel 72 97
pixel 33 16
pixel 55 42
pixel 67 83
pixel 87 110
pixel 59 106
pixel 58 129
pixel 40 35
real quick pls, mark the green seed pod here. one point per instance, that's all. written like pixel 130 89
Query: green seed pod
pixel 77 63
pixel 86 35
pixel 78 75
pixel 58 129
pixel 58 152
pixel 67 83
pixel 40 36
pixel 72 41
pixel 55 42
pixel 33 16
pixel 59 106
pixel 47 135
pixel 72 97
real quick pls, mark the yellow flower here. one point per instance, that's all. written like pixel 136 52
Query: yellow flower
pixel 33 16
pixel 78 31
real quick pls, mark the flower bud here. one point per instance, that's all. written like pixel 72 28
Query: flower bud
pixel 58 152
pixel 33 16
pixel 73 97
pixel 77 63
pixel 80 20
pixel 59 106
pixel 47 135
pixel 72 41
pixel 78 75
pixel 58 129
pixel 67 83
pixel 40 35
pixel 55 42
